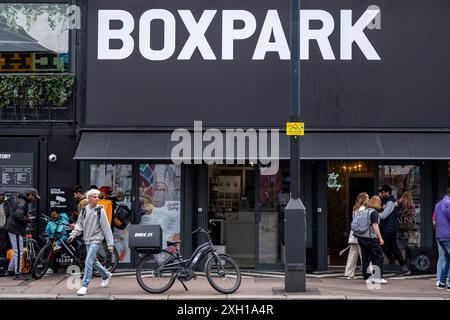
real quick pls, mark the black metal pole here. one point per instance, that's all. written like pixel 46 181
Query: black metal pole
pixel 295 268
pixel 295 96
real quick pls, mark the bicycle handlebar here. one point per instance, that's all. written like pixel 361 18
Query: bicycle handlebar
pixel 48 219
pixel 200 230
pixel 211 222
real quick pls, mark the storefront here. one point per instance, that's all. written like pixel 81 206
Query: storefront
pixel 362 102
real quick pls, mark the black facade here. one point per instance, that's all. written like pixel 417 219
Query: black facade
pixel 369 121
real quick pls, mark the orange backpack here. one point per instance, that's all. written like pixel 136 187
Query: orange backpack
pixel 107 205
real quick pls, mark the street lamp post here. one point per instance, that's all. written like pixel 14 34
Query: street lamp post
pixel 295 267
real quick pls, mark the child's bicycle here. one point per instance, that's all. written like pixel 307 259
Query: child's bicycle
pixel 47 255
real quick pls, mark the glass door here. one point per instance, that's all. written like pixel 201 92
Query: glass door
pixel 117 179
pixel 159 198
pixel 272 197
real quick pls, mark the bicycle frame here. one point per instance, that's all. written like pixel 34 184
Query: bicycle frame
pixel 30 244
pixel 171 266
pixel 190 264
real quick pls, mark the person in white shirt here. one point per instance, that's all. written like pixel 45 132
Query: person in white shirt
pixel 355 250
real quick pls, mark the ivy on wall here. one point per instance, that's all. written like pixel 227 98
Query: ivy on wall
pixel 36 91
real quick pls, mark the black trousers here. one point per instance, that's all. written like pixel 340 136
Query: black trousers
pixel 371 252
pixel 5 244
pixel 391 247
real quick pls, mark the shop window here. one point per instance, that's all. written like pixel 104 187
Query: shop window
pixel 159 196
pixel 37 38
pixel 118 178
pixel 405 182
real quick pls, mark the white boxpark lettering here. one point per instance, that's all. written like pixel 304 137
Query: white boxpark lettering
pixel 229 34
pixel 349 34
pixel 272 25
pixel 169 34
pixel 320 35
pixel 197 37
pixel 105 34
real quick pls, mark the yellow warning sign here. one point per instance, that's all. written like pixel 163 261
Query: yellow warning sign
pixel 295 128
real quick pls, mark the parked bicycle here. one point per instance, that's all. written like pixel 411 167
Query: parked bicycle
pixel 76 253
pixel 158 269
pixel 31 247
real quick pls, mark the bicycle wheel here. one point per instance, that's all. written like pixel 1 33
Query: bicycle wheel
pixel 223 274
pixel 42 262
pixel 151 281
pixel 108 261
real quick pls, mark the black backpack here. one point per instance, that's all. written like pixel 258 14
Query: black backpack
pixel 99 212
pixel 121 217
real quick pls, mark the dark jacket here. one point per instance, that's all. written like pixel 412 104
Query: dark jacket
pixel 17 220
pixel 8 207
pixel 389 225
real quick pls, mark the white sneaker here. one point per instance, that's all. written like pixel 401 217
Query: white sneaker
pixel 82 291
pixel 105 282
pixel 370 280
pixel 382 281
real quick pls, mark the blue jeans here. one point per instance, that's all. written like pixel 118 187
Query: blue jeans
pixel 91 261
pixel 17 245
pixel 440 262
pixel 445 246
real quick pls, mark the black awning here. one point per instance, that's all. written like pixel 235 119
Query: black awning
pixel 124 146
pixel 314 146
pixel 356 145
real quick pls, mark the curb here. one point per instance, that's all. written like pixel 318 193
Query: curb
pixel 35 296
pixel 4 297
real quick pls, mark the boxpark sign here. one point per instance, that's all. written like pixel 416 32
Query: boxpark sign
pixel 166 64
pixel 350 33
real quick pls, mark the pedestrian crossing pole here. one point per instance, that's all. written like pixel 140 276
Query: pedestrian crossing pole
pixel 295 267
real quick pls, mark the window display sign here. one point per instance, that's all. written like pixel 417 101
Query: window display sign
pixel 16 171
pixel 159 195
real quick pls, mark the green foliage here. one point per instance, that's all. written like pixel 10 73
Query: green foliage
pixel 56 13
pixel 35 91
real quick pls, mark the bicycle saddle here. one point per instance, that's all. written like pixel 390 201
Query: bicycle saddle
pixel 172 243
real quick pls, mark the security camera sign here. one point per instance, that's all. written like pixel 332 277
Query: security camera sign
pixel 58 198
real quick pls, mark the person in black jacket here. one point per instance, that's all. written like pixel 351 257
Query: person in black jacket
pixel 388 228
pixel 4 237
pixel 16 226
